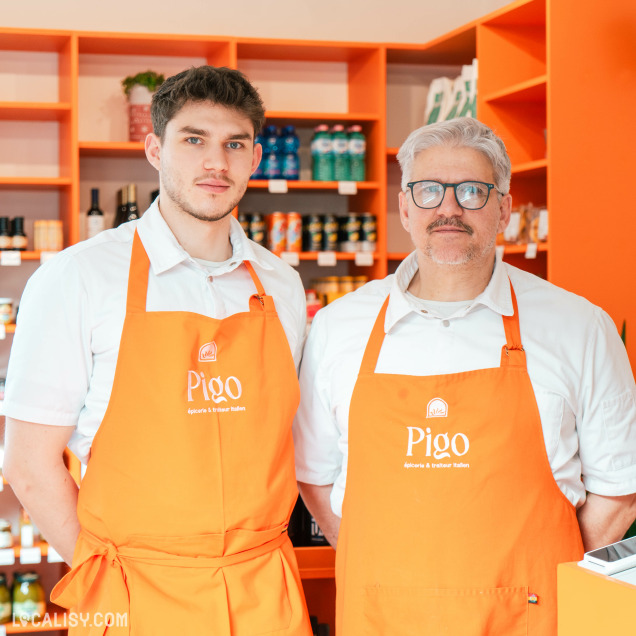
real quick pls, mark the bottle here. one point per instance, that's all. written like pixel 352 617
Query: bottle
pixel 258 173
pixel 321 154
pixel 289 143
pixel 340 144
pixel 271 153
pixel 5 600
pixel 27 530
pixel 18 236
pixel 28 597
pixel 357 153
pixel 153 195
pixel 94 217
pixel 122 207
pixel 132 211
pixel 5 234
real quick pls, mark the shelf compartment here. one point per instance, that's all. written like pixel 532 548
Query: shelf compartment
pixel 511 46
pixel 34 111
pixel 532 90
pixel 316 562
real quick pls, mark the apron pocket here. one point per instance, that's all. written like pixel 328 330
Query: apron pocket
pixel 258 595
pixel 407 611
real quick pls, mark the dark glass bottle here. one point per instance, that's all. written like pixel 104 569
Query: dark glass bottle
pixel 94 216
pixel 18 235
pixel 132 212
pixel 5 234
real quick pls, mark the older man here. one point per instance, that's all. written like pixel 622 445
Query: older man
pixel 477 420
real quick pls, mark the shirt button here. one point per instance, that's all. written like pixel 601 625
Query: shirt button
pixel 445 323
pixel 210 279
pixel 424 311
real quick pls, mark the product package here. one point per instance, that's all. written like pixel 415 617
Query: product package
pixel 448 98
pixel 438 103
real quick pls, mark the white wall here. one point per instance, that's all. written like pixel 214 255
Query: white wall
pixel 355 20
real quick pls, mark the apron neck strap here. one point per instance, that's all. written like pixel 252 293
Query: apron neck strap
pixel 137 277
pixel 512 353
pixel 138 282
pixel 372 351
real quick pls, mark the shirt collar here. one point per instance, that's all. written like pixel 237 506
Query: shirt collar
pixel 496 296
pixel 165 252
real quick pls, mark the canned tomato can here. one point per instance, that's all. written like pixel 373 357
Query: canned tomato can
pixel 277 232
pixel 329 233
pixel 351 233
pixel 244 220
pixel 257 229
pixel 312 233
pixel 368 232
pixel 294 232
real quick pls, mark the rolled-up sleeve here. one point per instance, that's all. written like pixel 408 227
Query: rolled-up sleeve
pixel 316 435
pixel 606 424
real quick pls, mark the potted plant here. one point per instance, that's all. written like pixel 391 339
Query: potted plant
pixel 139 89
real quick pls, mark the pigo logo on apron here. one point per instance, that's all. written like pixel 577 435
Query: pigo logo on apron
pixel 215 389
pixel 440 446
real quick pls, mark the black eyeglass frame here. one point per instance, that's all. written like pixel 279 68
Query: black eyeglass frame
pixel 491 186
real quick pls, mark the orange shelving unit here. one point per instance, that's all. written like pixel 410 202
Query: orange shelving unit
pixel 554 82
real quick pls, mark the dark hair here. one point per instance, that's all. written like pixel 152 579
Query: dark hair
pixel 219 85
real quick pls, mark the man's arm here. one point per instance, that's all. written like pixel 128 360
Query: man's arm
pixel 34 466
pixel 604 520
pixel 318 502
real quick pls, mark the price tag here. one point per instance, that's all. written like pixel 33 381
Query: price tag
pixel 499 252
pixel 511 233
pixel 531 250
pixel 1 480
pixel 46 256
pixel 347 187
pixel 30 555
pixel 277 186
pixel 3 331
pixel 53 556
pixel 10 258
pixel 3 630
pixel 543 225
pixel 364 259
pixel 7 556
pixel 326 259
pixel 291 258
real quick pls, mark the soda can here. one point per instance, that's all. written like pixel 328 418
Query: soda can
pixel 351 233
pixel 368 232
pixel 329 233
pixel 312 233
pixel 244 220
pixel 277 232
pixel 294 232
pixel 257 229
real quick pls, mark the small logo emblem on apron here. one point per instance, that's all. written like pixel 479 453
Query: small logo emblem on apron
pixel 437 408
pixel 207 353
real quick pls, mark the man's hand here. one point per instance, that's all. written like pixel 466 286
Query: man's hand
pixel 34 466
pixel 318 502
pixel 604 520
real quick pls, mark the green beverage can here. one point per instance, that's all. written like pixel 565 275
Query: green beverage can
pixel 357 153
pixel 340 143
pixel 322 154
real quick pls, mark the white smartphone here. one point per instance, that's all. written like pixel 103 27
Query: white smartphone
pixel 615 557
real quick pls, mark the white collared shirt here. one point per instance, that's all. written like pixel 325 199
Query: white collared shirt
pixel 64 351
pixel 577 364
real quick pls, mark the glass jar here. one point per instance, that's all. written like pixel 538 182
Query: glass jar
pixel 28 597
pixel 6 538
pixel 5 600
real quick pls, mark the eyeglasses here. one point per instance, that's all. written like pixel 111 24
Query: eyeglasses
pixel 470 195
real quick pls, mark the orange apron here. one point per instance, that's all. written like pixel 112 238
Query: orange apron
pixel 185 503
pixel 452 521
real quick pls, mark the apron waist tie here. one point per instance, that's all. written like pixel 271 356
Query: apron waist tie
pixel 106 565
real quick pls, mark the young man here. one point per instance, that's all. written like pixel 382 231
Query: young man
pixel 164 353
pixel 462 408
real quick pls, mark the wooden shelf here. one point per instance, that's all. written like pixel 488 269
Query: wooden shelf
pixel 391 154
pixel 30 255
pixel 10 328
pixel 314 118
pixel 34 111
pixel 532 90
pixel 538 167
pixel 118 149
pixel 35 182
pixel 262 184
